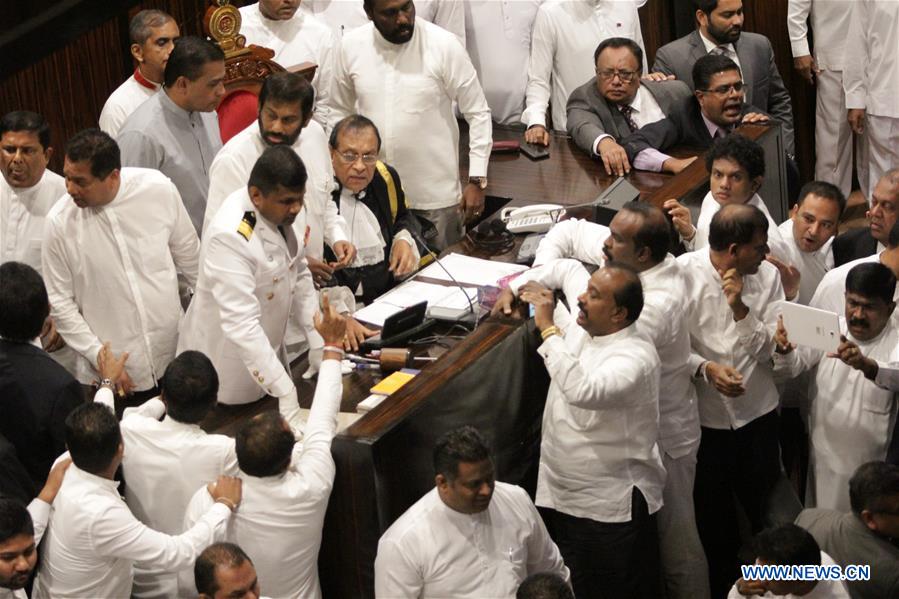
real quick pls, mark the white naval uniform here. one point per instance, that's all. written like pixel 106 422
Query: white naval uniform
pixel 851 418
pixel 246 292
pixel 833 136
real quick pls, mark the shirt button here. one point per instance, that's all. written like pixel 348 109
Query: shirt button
pixel 270 296
pixel 270 258
pixel 276 279
pixel 255 373
pixel 261 379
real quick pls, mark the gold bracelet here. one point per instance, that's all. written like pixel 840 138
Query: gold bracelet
pixel 549 332
pixel 227 503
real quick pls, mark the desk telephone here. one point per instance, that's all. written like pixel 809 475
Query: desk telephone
pixel 538 218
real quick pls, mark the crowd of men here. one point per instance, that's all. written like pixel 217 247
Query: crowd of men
pixel 168 270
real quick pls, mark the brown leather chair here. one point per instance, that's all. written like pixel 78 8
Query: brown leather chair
pixel 246 67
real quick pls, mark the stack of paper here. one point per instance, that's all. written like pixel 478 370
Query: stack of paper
pixel 411 293
pixel 471 271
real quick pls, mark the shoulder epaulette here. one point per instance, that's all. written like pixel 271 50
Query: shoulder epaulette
pixel 247 223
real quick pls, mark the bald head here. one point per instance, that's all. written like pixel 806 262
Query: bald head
pixel 738 238
pixel 884 211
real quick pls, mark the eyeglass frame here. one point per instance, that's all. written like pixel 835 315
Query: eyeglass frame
pixel 623 76
pixel 723 90
pixel 353 157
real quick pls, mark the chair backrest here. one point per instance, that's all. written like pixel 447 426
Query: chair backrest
pixel 246 67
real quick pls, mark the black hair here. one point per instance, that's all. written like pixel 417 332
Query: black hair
pixel 630 295
pixel 288 88
pixel 464 444
pixel 188 57
pixel 707 67
pixel 787 545
pixel 97 148
pixel 706 6
pixel 23 302
pixel 735 223
pixel 278 166
pixel 142 24
pixel 621 42
pixel 189 387
pixel 217 554
pixel 655 231
pixel 872 485
pixel 354 122
pixel 872 280
pixel 742 150
pixel 14 520
pixel 263 446
pixel 825 190
pixel 92 437
pixel 25 120
pixel 544 585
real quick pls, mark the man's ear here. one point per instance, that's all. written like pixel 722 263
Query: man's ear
pixel 757 183
pixel 868 519
pixel 892 307
pixel 441 481
pixel 308 118
pixel 701 18
pixel 137 51
pixel 619 315
pixel 255 195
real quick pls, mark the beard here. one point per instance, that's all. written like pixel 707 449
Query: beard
pixel 724 36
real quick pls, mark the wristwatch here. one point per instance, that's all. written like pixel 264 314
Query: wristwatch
pixel 106 383
pixel 481 182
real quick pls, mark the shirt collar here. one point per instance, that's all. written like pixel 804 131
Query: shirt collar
pixel 615 337
pixel 712 127
pixel 169 105
pixel 381 42
pixel 139 77
pixel 98 481
pixel 710 45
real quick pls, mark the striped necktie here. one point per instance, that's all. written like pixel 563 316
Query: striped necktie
pixel 628 113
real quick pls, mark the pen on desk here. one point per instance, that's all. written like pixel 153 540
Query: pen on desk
pixel 363 366
pixel 356 358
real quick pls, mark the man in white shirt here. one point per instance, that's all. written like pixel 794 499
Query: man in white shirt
pixel 224 571
pixel 343 16
pixel 809 232
pixel 153 34
pixel 177 131
pixel 881 215
pixel 639 237
pixel 498 40
pixel 470 536
pixel 789 545
pixel 296 36
pixel 173 453
pixel 92 538
pixel 731 305
pixel 252 278
pixel 113 249
pixel 617 102
pixel 601 512
pixel 287 484
pixel 404 74
pixel 565 35
pixel 21 531
pixel 871 83
pixel 853 408
pixel 833 136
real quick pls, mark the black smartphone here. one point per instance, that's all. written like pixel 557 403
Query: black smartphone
pixel 534 151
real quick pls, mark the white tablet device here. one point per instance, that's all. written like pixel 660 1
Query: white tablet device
pixel 810 326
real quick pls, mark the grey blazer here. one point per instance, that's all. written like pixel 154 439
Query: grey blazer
pixel 590 115
pixel 765 88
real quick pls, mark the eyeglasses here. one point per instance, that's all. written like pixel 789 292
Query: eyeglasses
pixel 625 76
pixel 723 90
pixel 352 157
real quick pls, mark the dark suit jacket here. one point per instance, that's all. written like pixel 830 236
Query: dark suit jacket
pixel 853 245
pixel 590 115
pixel 36 395
pixel 684 127
pixel 377 279
pixel 765 88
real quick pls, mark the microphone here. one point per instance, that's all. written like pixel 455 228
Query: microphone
pixel 468 319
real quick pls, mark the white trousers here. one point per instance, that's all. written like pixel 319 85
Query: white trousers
pixel 882 133
pixel 833 136
pixel 684 567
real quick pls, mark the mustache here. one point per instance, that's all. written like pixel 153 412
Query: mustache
pixel 582 307
pixel 858 322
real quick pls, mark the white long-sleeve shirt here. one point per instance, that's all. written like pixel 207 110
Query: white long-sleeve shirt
pixel 662 321
pixel 408 91
pixel 611 411
pixel 812 265
pixel 433 551
pixel 22 215
pixel 345 15
pixel 851 418
pixel 170 455
pixel 871 67
pixel 281 517
pixel 710 208
pixel 302 38
pixel 231 168
pixel 93 539
pixel 746 345
pixel 498 39
pixel 830 22
pixel 831 291
pixel 111 274
pixel 136 90
pixel 566 33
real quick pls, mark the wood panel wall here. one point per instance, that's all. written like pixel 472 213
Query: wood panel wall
pixel 70 85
